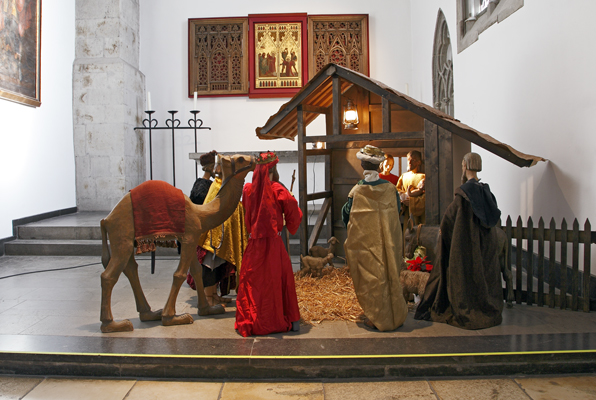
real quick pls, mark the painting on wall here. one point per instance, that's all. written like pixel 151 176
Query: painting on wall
pixel 218 57
pixel 20 42
pixel 277 46
pixel 338 39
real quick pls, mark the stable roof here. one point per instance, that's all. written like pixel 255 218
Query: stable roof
pixel 317 95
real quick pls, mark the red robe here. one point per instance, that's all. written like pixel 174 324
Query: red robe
pixel 266 301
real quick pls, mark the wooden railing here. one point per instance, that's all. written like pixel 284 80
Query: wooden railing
pixel 541 264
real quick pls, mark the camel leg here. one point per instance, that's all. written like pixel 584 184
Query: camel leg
pixel 108 279
pixel 169 316
pixel 202 303
pixel 144 309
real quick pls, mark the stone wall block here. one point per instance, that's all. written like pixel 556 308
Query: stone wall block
pixel 89 47
pixel 88 114
pixel 105 139
pixel 129 12
pixel 99 28
pixel 101 166
pixel 80 145
pixel 113 186
pixel 93 9
pixel 129 46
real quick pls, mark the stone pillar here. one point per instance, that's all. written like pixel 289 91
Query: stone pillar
pixel 108 102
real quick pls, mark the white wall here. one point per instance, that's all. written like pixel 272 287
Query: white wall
pixel 529 82
pixel 36 144
pixel 164 55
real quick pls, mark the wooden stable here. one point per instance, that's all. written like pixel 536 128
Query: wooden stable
pixel 390 120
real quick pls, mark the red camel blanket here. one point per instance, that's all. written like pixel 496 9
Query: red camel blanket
pixel 158 210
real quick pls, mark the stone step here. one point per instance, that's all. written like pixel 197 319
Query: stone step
pixel 25 247
pixel 33 232
pixel 50 232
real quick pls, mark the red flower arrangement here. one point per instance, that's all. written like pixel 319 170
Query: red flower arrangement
pixel 419 264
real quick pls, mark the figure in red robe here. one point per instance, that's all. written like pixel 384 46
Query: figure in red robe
pixel 266 301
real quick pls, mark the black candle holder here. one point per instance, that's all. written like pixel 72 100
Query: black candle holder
pixel 172 124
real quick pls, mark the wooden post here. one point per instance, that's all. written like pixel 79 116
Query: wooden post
pixel 551 264
pixel 518 260
pixel 431 158
pixel 575 266
pixel 303 229
pixel 587 260
pixel 336 105
pixel 530 269
pixel 540 294
pixel 386 107
pixel 508 231
pixel 445 147
pixel 563 286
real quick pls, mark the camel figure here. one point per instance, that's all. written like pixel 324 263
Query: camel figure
pixel 119 226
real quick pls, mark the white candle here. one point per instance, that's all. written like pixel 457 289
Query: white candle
pixel 149 101
pixel 195 102
pixel 407 90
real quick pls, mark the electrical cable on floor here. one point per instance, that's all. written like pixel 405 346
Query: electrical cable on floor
pixel 76 266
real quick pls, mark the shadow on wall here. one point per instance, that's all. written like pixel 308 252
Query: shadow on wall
pixel 549 200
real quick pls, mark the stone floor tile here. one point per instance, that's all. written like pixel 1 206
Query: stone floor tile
pixel 154 390
pixel 272 391
pixel 14 388
pixel 478 389
pixel 77 389
pixel 64 326
pixel 395 390
pixel 17 324
pixel 561 387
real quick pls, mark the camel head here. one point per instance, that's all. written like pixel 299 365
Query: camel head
pixel 236 166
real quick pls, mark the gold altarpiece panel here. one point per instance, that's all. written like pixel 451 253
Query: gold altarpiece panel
pixel 338 39
pixel 218 57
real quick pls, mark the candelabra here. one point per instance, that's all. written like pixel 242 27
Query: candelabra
pixel 172 124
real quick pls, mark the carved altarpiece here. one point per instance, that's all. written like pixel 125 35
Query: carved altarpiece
pixel 338 39
pixel 218 56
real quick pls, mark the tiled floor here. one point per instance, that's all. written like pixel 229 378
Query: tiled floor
pixel 509 388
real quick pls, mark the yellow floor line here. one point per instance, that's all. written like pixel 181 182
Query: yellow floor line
pixel 273 357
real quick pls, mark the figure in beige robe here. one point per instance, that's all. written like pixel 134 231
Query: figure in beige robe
pixel 373 247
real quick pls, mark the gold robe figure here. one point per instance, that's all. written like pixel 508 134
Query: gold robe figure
pixel 374 253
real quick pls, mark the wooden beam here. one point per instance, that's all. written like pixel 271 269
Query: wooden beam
pixel 319 195
pixel 316 231
pixel 403 145
pixel 317 152
pixel 365 137
pixel 430 116
pixel 302 202
pixel 299 98
pixel 314 109
pixel 386 107
pixel 345 181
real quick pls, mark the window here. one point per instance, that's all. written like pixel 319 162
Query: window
pixel 475 16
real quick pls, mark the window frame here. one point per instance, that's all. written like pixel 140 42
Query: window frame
pixel 470 26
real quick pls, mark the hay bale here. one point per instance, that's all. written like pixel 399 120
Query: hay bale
pixel 329 298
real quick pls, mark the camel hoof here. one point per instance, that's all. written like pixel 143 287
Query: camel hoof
pixel 113 326
pixel 150 315
pixel 183 319
pixel 212 310
pixel 509 304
